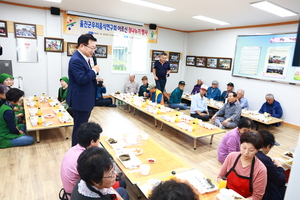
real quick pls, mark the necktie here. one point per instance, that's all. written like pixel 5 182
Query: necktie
pixel 89 61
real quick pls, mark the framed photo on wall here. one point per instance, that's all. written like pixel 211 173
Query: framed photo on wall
pixel 156 54
pixel 201 61
pixel 101 51
pixel 174 67
pixel 212 62
pixel 54 45
pixel 25 30
pixel 71 48
pixel 3 29
pixel 174 57
pixel 224 63
pixel 152 65
pixel 190 60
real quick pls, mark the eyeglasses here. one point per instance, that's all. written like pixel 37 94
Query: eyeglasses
pixel 112 174
pixel 93 48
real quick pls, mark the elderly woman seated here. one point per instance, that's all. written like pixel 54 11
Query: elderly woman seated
pixel 11 133
pixel 197 87
pixel 245 173
pixel 97 176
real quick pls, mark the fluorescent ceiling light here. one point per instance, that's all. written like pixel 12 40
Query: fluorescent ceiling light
pixel 273 8
pixel 150 5
pixel 70 12
pixel 55 1
pixel 211 20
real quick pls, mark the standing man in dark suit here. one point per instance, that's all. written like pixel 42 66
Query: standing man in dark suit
pixel 161 70
pixel 82 82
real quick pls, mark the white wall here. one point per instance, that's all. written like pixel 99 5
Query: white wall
pixel 222 44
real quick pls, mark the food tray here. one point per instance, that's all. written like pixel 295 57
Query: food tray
pixel 207 126
pixel 120 143
pixel 64 120
pixel 198 180
pixel 288 157
pixel 133 163
pixel 234 195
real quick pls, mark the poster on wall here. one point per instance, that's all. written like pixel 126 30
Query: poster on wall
pixel 277 60
pixel 27 50
pixel 77 25
pixel 249 60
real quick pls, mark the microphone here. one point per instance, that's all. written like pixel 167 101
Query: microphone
pixel 95 61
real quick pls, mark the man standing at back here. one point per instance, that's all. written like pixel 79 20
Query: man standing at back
pixel 82 82
pixel 161 71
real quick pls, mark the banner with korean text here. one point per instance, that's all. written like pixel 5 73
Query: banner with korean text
pixel 100 28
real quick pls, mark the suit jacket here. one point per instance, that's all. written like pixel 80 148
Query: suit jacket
pixel 82 84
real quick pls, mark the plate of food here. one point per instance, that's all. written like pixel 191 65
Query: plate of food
pixel 136 151
pixel 49 115
pixel 115 142
pixel 288 155
pixel 129 160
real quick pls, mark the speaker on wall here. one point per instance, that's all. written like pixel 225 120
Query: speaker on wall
pixel 152 26
pixel 55 11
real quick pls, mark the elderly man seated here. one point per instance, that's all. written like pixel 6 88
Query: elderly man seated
pixel 224 94
pixel 155 94
pixel 214 92
pixel 131 86
pixel 175 98
pixel 271 107
pixel 242 100
pixel 229 115
pixel 199 106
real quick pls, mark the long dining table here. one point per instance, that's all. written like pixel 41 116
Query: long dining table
pixel 47 109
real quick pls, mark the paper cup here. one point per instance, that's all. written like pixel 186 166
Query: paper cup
pixel 145 169
pixel 34 122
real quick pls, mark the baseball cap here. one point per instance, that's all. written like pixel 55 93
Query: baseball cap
pixel 276 143
pixel 215 82
pixel 203 87
pixel 181 83
pixel 151 86
pixel 230 84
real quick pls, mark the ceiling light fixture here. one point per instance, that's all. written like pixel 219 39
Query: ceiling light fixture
pixel 70 12
pixel 150 5
pixel 273 8
pixel 211 20
pixel 55 1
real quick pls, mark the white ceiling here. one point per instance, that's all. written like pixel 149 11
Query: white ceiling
pixel 237 12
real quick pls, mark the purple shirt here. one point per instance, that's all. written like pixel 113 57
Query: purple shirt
pixel 68 170
pixel 230 143
pixel 196 89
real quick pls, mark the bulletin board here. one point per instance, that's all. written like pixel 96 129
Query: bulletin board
pixel 266 57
